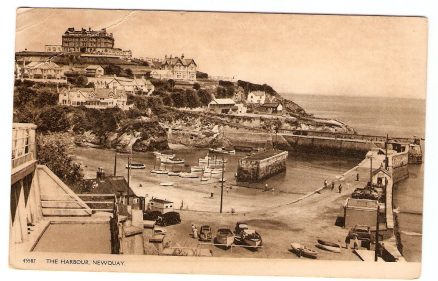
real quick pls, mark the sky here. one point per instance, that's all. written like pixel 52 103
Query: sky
pixel 301 54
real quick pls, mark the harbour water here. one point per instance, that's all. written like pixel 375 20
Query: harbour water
pixel 394 116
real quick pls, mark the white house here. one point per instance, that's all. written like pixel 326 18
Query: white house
pixel 94 71
pixel 94 98
pixel 130 86
pixel 257 97
pixel 180 68
pixel 40 70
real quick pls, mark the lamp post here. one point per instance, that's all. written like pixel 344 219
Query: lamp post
pixel 222 183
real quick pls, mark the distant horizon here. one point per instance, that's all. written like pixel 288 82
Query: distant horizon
pixel 326 54
pixel 350 96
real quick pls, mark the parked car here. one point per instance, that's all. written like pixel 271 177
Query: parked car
pixel 205 233
pixel 168 219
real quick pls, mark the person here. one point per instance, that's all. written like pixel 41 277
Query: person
pixel 333 185
pixel 347 241
pixel 266 187
pixel 193 229
pixel 195 233
pixel 340 188
pixel 182 205
pixel 355 242
pixel 325 183
pixel 357 176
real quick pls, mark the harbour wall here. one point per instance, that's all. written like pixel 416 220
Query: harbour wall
pixel 316 144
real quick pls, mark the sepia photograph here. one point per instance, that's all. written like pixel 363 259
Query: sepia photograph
pixel 188 142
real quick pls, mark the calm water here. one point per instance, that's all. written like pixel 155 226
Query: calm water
pixel 381 116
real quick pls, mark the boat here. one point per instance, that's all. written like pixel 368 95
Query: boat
pixel 222 150
pixel 160 172
pixel 204 179
pixel 173 174
pixel 163 155
pixel 302 251
pixel 172 160
pixel 224 237
pixel 328 243
pixel 135 166
pixel 188 175
pixel 196 169
pixel 328 246
pixel 167 183
pixel 251 238
pixel 222 180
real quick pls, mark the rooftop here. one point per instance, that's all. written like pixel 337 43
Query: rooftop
pixel 163 201
pixel 223 101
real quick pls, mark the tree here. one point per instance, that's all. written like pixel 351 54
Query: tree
pixel 204 97
pixel 81 81
pixel 112 69
pixel 201 75
pixel 53 119
pixel 171 84
pixel 129 73
pixel 196 86
pixel 53 150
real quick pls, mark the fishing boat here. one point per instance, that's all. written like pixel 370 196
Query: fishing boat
pixel 172 160
pixel 196 169
pixel 204 179
pixel 328 246
pixel 163 155
pixel 222 150
pixel 188 175
pixel 160 172
pixel 251 238
pixel 167 183
pixel 173 174
pixel 224 237
pixel 302 251
pixel 135 166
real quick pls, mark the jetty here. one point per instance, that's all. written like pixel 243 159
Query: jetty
pixel 261 165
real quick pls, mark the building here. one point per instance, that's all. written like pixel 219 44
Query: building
pixel 46 70
pixel 380 177
pixel 94 71
pixel 53 48
pixel 87 41
pixel 130 86
pixel 94 98
pixel 180 68
pixel 271 107
pixel 161 205
pixel 240 108
pixel 92 43
pixel 361 212
pixel 221 105
pixel 261 165
pixel 45 212
pixel 257 97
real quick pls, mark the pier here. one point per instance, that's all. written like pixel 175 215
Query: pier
pixel 261 165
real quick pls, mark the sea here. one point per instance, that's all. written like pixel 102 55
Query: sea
pixel 397 117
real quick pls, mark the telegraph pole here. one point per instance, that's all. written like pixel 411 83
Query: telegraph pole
pixel 222 183
pixel 115 164
pixel 129 175
pixel 376 248
pixel 371 170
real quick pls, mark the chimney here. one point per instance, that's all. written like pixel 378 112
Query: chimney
pixel 182 56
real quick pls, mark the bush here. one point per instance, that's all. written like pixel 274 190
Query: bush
pixel 53 150
pixel 53 119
